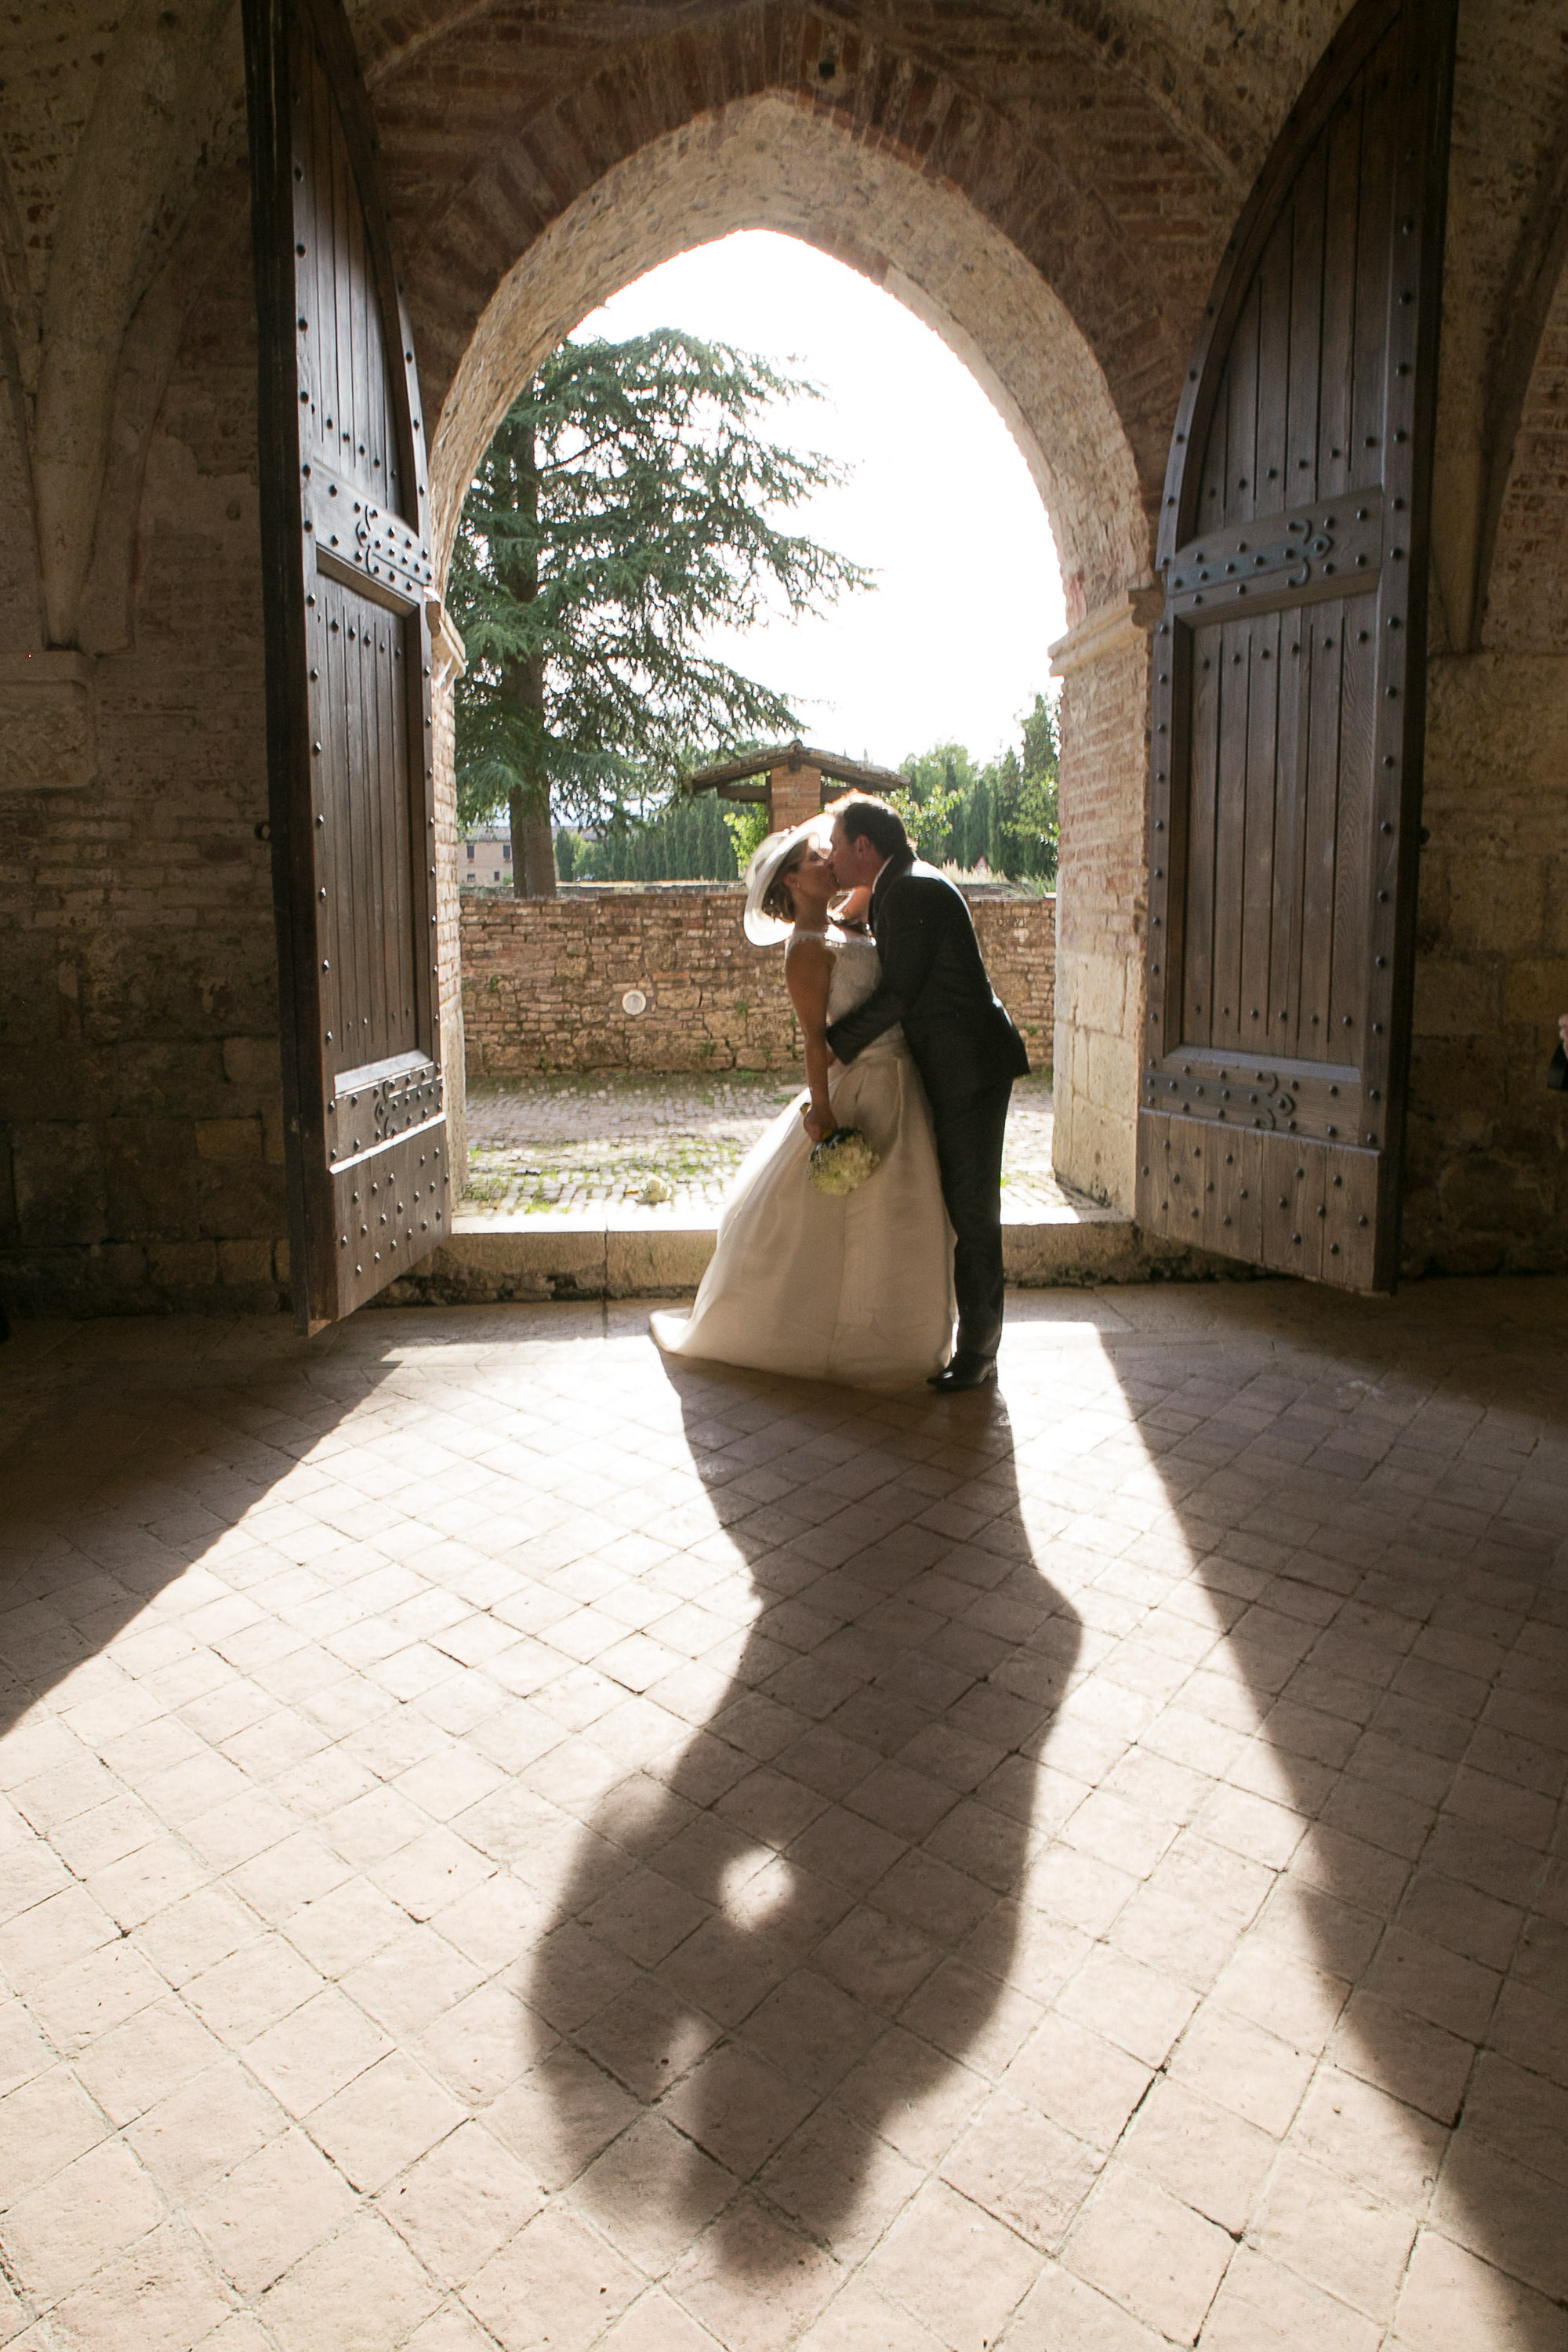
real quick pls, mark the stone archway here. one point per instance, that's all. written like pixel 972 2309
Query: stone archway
pixel 763 161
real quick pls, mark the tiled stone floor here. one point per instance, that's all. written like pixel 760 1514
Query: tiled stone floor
pixel 507 1843
pixel 666 1146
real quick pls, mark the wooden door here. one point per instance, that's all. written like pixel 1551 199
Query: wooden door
pixel 347 571
pixel 1289 670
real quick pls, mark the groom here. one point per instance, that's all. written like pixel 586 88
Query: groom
pixel 964 1046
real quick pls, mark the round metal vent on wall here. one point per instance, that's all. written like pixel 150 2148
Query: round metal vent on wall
pixel 633 1000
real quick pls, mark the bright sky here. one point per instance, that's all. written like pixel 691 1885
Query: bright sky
pixel 950 645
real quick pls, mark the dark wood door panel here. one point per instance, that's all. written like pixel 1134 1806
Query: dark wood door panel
pixel 391 1206
pixel 1288 703
pixel 1293 1205
pixel 347 570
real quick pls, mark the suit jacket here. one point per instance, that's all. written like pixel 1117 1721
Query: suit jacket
pixel 933 981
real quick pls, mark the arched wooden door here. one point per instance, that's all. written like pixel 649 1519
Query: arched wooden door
pixel 347 570
pixel 1286 747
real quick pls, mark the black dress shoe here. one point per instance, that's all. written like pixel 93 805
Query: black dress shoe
pixel 964 1372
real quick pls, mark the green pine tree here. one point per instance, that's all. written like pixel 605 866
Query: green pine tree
pixel 625 507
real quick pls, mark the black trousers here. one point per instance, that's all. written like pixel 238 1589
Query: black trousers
pixel 968 1153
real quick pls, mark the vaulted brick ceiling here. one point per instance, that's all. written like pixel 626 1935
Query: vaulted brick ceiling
pixel 1108 143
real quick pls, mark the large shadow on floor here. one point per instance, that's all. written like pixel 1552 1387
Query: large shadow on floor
pixel 131 1452
pixel 1376 1495
pixel 823 1899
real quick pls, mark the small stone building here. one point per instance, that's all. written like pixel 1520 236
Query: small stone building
pixel 790 780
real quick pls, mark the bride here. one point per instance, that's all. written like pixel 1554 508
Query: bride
pixel 856 1288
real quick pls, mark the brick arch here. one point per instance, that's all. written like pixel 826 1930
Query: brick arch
pixel 490 142
pixel 1525 588
pixel 766 163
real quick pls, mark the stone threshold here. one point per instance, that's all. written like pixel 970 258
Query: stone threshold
pixel 632 1253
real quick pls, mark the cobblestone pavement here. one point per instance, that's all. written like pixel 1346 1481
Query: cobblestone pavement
pixel 672 1144
pixel 506 1842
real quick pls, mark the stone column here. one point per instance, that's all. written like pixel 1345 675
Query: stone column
pixel 447 663
pixel 1102 893
pixel 794 795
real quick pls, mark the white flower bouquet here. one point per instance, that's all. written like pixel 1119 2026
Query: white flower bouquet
pixel 841 1160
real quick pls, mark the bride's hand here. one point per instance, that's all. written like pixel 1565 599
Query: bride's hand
pixel 815 1122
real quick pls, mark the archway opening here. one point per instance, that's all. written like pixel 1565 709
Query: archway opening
pixel 930 681
pixel 762 163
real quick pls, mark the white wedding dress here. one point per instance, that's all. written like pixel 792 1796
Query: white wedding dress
pixel 858 1288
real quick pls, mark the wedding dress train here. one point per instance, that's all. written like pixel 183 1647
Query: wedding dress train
pixel 856 1289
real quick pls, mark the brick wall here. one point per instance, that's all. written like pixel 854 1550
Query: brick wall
pixel 1104 666
pixel 1486 1150
pixel 543 979
pixel 141 1114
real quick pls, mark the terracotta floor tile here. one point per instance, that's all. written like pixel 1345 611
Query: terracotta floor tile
pixel 648 2039
pixel 480 2044
pixel 651 2193
pixel 163 2294
pixel 365 2287
pixel 1524 2226
pixel 1451 2297
pixel 243 1995
pixel 1209 2158
pixel 60 2234
pixel 914 2096
pixel 1198 1714
pixel 859 2319
pixel 49 2121
pixel 190 2140
pixel 655 2324
pixel 1242 2067
pixel 1136 2007
pixel 811 2030
pixel 1024 2170
pixel 1262 2308
pixel 738 2107
pixel 555 2282
pixel 1150 2253
pixel 1313 2222
pixel 1417 2063
pixel 270 2210
pixel 1060 2310
pixel 1078 2079
pixel 461 2201
pixel 384 2120
pixel 752 2281
pixel 954 2268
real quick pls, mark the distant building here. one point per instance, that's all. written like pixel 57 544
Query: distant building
pixel 484 858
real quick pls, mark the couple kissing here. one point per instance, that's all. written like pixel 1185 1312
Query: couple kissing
pixel 905 1041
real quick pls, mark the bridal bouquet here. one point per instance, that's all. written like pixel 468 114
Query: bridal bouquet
pixel 841 1160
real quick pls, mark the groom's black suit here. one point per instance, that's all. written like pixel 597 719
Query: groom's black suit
pixel 968 1053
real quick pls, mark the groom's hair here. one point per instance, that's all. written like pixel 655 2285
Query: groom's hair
pixel 866 818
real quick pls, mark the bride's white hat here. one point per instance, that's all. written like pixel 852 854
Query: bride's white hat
pixel 767 858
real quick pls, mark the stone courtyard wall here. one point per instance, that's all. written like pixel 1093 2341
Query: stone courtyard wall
pixel 544 980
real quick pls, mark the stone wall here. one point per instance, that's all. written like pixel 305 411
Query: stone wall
pixel 1104 667
pixel 544 980
pixel 140 1094
pixel 1487 1154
